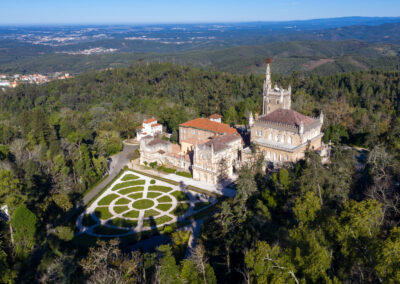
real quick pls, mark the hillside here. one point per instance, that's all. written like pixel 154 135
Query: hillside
pixel 318 57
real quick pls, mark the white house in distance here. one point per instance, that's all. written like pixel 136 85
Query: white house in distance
pixel 149 127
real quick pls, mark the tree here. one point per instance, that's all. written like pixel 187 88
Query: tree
pixel 200 261
pixel 269 265
pixel 107 264
pixel 388 257
pixel 169 272
pixel 24 225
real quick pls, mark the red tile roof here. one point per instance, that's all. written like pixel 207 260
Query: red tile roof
pixel 156 124
pixel 287 116
pixel 206 124
pixel 149 120
pixel 215 116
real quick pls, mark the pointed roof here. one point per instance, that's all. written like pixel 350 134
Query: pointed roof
pixel 288 117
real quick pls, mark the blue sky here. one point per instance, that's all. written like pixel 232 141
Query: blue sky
pixel 178 11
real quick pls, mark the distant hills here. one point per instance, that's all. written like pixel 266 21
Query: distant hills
pixel 322 46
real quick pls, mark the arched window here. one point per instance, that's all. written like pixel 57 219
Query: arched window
pixel 269 155
pixel 290 140
pixel 274 156
pixel 270 136
pixel 277 138
pixel 283 139
pixel 280 157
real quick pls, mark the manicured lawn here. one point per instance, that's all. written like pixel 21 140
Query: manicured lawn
pixel 102 213
pixel 159 188
pixel 136 195
pixel 129 177
pixel 180 209
pixel 128 183
pixel 157 221
pixel 106 200
pixel 201 205
pixel 119 222
pixel 180 196
pixel 128 190
pixel 120 209
pixel 165 198
pixel 164 206
pixel 151 212
pixel 123 201
pixel 166 170
pixel 153 194
pixel 131 214
pixel 88 221
pixel 184 174
pixel 143 204
pixel 103 230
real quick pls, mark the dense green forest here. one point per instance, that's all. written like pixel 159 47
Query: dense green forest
pixel 306 223
pixel 320 57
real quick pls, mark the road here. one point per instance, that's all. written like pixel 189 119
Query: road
pixel 117 163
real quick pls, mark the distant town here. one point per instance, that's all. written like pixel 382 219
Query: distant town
pixel 13 80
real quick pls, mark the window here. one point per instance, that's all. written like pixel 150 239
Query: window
pixel 277 102
pixel 290 140
pixel 270 136
pixel 283 139
pixel 277 138
pixel 260 133
pixel 280 157
pixel 287 157
pixel 269 155
pixel 274 156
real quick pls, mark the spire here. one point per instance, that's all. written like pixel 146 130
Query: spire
pixel 321 117
pixel 301 127
pixel 268 82
pixel 251 119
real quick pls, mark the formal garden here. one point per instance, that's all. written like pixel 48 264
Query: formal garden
pixel 136 203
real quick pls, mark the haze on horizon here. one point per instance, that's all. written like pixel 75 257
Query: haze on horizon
pixel 25 12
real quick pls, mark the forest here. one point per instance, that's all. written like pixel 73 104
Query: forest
pixel 306 223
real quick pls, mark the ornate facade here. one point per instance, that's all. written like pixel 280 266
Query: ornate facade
pixel 282 134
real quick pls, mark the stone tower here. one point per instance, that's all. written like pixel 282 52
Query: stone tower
pixel 274 97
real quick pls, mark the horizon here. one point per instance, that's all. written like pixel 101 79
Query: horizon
pixel 191 23
pixel 123 12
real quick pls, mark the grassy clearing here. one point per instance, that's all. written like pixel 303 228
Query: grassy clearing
pixel 151 212
pixel 120 209
pixel 128 190
pixel 143 204
pixel 159 188
pixel 201 205
pixel 190 187
pixel 184 174
pixel 102 213
pixel 180 196
pixel 153 194
pixel 107 199
pixel 88 221
pixel 119 222
pixel 180 209
pixel 136 195
pixel 123 201
pixel 164 207
pixel 157 221
pixel 165 198
pixel 103 230
pixel 129 177
pixel 131 214
pixel 166 170
pixel 128 183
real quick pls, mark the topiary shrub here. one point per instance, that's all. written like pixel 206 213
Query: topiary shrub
pixel 152 181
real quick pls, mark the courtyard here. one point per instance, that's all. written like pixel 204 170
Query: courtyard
pixel 136 203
